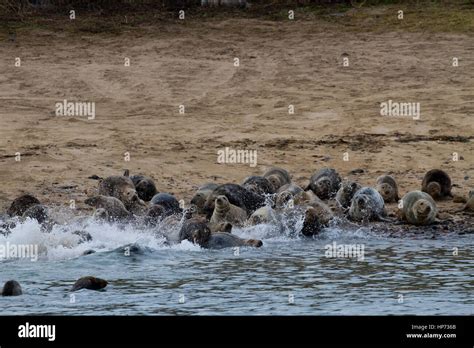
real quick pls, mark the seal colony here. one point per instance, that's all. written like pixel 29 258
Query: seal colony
pixel 273 198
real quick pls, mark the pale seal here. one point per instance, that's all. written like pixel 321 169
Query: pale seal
pixel 388 188
pixel 418 208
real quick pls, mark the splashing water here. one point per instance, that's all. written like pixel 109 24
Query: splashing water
pixel 396 276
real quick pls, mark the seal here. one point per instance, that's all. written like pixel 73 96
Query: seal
pixel 237 195
pixel 90 283
pixel 223 240
pixel 220 227
pixel 109 208
pixel 263 215
pixel 418 208
pixel 21 204
pixel 367 204
pixel 437 184
pixel 195 230
pixel 388 188
pixel 346 192
pixel 122 188
pixel 145 187
pixel 168 202
pixel 11 288
pixel 469 206
pixel 155 214
pixel 37 212
pixel 277 177
pixel 312 223
pixel 324 183
pixel 321 210
pixel 224 211
pixel 292 188
pixel 202 194
pixel 259 185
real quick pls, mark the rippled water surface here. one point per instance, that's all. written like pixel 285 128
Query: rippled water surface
pixel 397 275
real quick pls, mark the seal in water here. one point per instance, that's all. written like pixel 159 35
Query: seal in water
pixel 346 192
pixel 324 183
pixel 312 224
pixel 437 184
pixel 155 214
pixel 12 288
pixel 122 188
pixel 222 240
pixel 37 212
pixel 110 208
pixel 388 189
pixel 367 204
pixel 259 185
pixel 21 204
pixel 202 194
pixel 90 283
pixel 224 211
pixel 195 230
pixel 237 195
pixel 418 208
pixel 263 215
pixel 278 177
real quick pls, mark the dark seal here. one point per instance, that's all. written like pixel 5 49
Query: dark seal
pixel 90 283
pixel 12 288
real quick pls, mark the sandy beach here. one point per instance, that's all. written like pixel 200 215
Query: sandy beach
pixel 246 107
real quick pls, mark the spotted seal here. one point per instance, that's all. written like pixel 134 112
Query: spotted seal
pixel 418 208
pixel 324 183
pixel 367 204
pixel 388 188
pixel 346 192
pixel 277 177
pixel 122 188
pixel 259 185
pixel 109 208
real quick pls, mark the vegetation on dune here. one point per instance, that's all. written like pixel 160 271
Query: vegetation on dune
pixel 112 16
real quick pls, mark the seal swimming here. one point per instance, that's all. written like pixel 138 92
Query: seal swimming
pixel 90 283
pixel 12 288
